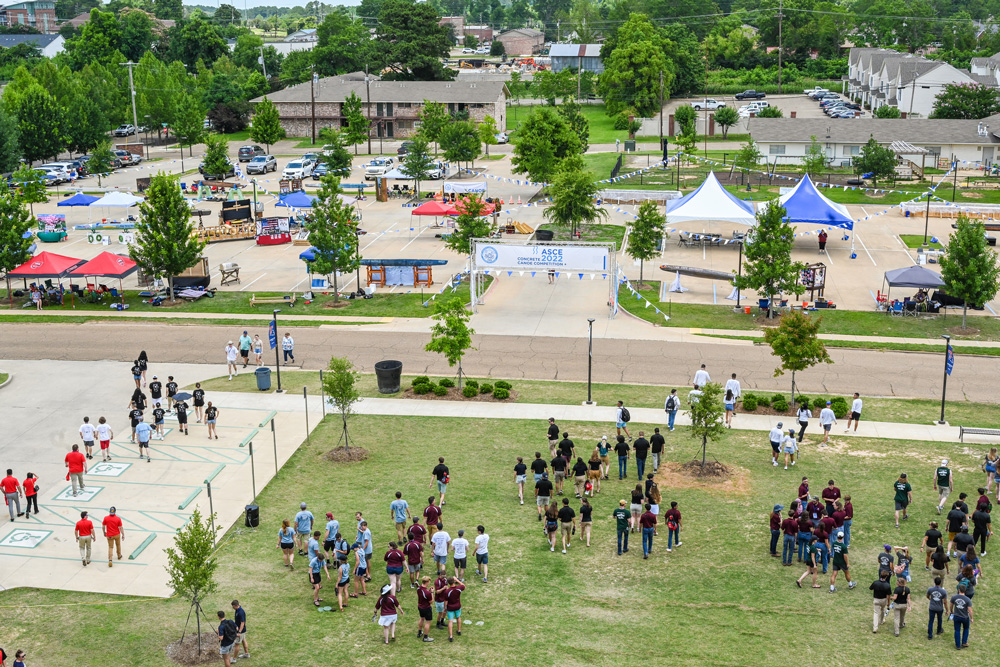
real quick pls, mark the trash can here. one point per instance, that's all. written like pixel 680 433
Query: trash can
pixel 544 234
pixel 263 375
pixel 387 373
pixel 630 145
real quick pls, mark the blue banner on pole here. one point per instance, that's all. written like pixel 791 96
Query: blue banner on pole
pixel 272 336
pixel 950 362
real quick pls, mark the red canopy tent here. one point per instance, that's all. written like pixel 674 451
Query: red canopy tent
pixel 434 208
pixel 44 265
pixel 108 265
pixel 487 207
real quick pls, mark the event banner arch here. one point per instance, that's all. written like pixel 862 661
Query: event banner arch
pixel 568 259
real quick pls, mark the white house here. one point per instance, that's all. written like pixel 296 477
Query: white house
pixel 49 45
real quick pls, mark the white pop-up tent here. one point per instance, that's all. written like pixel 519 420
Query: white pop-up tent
pixel 710 202
pixel 123 200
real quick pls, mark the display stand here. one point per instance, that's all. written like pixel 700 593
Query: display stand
pixel 813 278
pixel 273 231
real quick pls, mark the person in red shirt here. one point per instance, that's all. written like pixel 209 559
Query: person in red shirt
pixel 424 599
pixel 76 463
pixel 775 523
pixel 30 494
pixel 418 531
pixel 414 558
pixel 12 493
pixel 848 520
pixel 114 530
pixel 440 600
pixel 454 596
pixel 804 493
pixel 84 533
pixel 790 528
pixel 831 494
pixel 394 566
pixel 674 526
pixel 432 515
pixel 648 522
pixel 388 611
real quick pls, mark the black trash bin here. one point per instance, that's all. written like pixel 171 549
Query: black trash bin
pixel 388 375
pixel 263 375
pixel 544 234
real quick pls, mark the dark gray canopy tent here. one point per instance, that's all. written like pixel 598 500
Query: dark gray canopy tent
pixel 912 276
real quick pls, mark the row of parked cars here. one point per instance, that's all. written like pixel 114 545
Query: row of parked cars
pixel 310 165
pixel 833 105
pixel 67 171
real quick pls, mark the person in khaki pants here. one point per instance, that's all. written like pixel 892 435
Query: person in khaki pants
pixel 901 603
pixel 881 590
pixel 115 532
pixel 84 533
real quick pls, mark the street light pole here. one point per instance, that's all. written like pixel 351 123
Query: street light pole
pixel 739 273
pixel 277 366
pixel 590 358
pixel 944 384
pixel 927 218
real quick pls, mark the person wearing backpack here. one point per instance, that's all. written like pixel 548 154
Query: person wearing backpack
pixel 670 407
pixel 227 638
pixel 622 418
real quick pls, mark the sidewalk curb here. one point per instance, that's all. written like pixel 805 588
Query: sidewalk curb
pixel 10 377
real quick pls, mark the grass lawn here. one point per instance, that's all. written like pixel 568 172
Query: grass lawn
pixel 737 603
pixel 917 241
pixel 899 347
pixel 845 322
pixel 602 130
pixel 200 321
pixel 589 233
pixel 3 377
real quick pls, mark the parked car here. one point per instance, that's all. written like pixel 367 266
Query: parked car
pixel 126 157
pixel 815 91
pixel 320 171
pixel 707 103
pixel 261 164
pixel 123 130
pixel 404 148
pixel 54 175
pixel 230 170
pixel 378 167
pixel 438 171
pixel 468 51
pixel 67 167
pixel 750 95
pixel 483 51
pixel 299 168
pixel 827 96
pixel 248 153
pixel 502 137
pixel 312 157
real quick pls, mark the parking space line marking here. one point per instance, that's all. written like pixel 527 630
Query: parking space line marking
pixel 253 281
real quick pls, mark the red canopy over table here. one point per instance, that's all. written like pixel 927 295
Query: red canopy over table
pixel 108 265
pixel 46 265
pixel 487 207
pixel 435 208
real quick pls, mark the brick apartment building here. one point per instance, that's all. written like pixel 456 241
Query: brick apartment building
pixel 38 14
pixel 522 41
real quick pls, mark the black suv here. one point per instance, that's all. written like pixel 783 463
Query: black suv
pixel 404 148
pixel 750 95
pixel 247 153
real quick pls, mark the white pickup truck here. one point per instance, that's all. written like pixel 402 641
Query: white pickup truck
pixel 707 103
pixel 378 167
pixel 815 91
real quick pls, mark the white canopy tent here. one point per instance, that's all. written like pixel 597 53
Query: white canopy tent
pixel 710 202
pixel 111 200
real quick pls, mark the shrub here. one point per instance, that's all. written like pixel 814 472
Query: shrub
pixel 472 383
pixel 780 405
pixel 501 393
pixel 777 397
pixel 447 382
pixel 503 384
pixel 420 379
pixel 440 391
pixel 469 392
pixel 486 388
pixel 762 401
pixel 840 407
pixel 421 388
pixel 749 402
pixel 803 402
pixel 621 121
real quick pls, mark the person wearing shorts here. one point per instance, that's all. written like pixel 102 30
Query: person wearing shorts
pixel 344 570
pixel 104 435
pixel 245 343
pixel 414 552
pixel 440 599
pixel 360 569
pixel 199 401
pixel 776 436
pixel 424 600
pixel 394 561
pixel 855 413
pixel 440 475
pixel 182 416
pixel 440 543
pixel 316 567
pixel 520 477
pixel 143 432
pixel 455 588
pixel 258 350
pixel 156 392
pixel 158 413
pixel 903 497
pixel 483 553
pixel 553 436
pixel 171 392
pixel 543 493
pixel 87 432
pixel 827 419
pixel 211 415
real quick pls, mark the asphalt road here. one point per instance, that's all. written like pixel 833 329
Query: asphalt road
pixel 872 373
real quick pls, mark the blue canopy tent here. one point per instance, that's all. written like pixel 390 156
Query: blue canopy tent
pixel 79 199
pixel 806 205
pixel 297 199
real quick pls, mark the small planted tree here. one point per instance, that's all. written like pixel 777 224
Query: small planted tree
pixel 460 142
pixel 875 159
pixel 433 119
pixel 340 384
pixel 418 161
pixel 333 232
pixel 191 565
pixel 886 111
pixel 796 342
pixel 768 266
pixel 969 266
pixel 357 123
pixel 815 158
pixel 646 232
pixel 335 153
pixel 266 128
pixel 188 123
pixel 30 184
pixel 101 160
pixel 748 156
pixel 470 224
pixel 487 132
pixel 15 221
pixel 707 416
pixel 216 156
pixel 451 334
pixel 726 117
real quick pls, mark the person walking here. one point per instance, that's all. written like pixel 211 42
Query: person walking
pixel 286 542
pixel 648 523
pixel 330 534
pixel 551 526
pixel 143 362
pixel 394 560
pixel 414 552
pixel 245 344
pixel 143 433
pixel 232 352
pixel 137 374
pixel 900 604
pixel 730 404
pixel 76 466
pixel 87 434
pixel 623 524
pixel 961 614
pixel 567 448
pixel 943 484
pixel 83 532
pixel 822 236
pixel 559 465
pixel 240 618
pixel 881 590
pixel 432 517
pixel 158 425
pixel 594 472
pixel 622 450
pixel 198 399
pixel 31 493
pixel 812 559
pixel 520 476
pixel 580 472
pixel 641 448
pixel 980 520
pixel 939 562
pixel 790 447
pixel 317 565
pixel 840 563
pixel 774 521
pixel 674 526
pixel 258 350
pixel 360 570
pixel 114 531
pixel 441 542
pixel 586 520
pixel 552 435
pixel 440 599
pixel 701 376
pixel 171 393
pixel 288 348
pixel 855 415
pixel 804 414
pixel 672 404
pixel 227 638
pixel 622 418
pixel 211 416
pixel 104 436
pixel 460 554
pixel 990 464
pixel 638 498
pixel 543 494
pixel 440 476
pixel 454 607
pixel 303 527
pixel 539 466
pixel 181 409
pixel 827 419
pixel 567 523
pixel 399 512
pixel 482 543
pixel 904 496
pixel 938 598
pixel 156 392
pixel 424 600
pixel 656 443
pixel 776 435
pixel 733 384
pixel 654 498
pixel 604 450
pixel 790 529
pixel 848 519
pixel 932 539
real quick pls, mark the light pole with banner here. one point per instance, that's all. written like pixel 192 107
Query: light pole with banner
pixel 272 338
pixel 590 357
pixel 949 363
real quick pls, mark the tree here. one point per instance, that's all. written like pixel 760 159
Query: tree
pixel 99 41
pixel 570 110
pixel 340 383
pixel 335 153
pixel 171 10
pixel 768 267
pixel 815 158
pixel 196 39
pixel 687 120
pixel 357 124
pixel 966 100
pixel 343 44
pixel 433 119
pixel 469 224
pixel 216 156
pixel 574 196
pixel 418 162
pixel 543 141
pixel 411 42
pixel 266 128
pixel 707 415
pixel 726 117
pixel 633 67
pixel 30 184
pixel 40 124
pixel 333 232
pixel 15 222
pixel 460 141
pixel 747 157
pixel 10 149
pixel 886 111
pixel 646 232
pixel 191 564
pixel 189 123
pixel 487 132
pixel 165 244
pixel 497 48
pixel 102 160
pixel 451 334
pixel 796 342
pixel 137 33
pixel 770 112
pixel 969 266
pixel 874 159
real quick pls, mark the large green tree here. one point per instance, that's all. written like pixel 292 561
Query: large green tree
pixel 460 141
pixel 875 159
pixel 165 244
pixel 248 52
pixel 196 39
pixel 41 124
pixel 571 110
pixel 543 141
pixel 966 101
pixel 647 230
pixel 15 222
pixel 189 122
pixel 101 161
pixel 574 196
pixel 969 266
pixel 357 123
pixel 99 41
pixel 768 267
pixel 333 232
pixel 343 44
pixel 411 42
pixel 10 148
pixel 266 128
pixel 433 119
pixel 633 69
pixel 796 342
pixel 418 161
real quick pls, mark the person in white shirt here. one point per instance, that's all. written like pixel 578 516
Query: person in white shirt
pixel 855 413
pixel 231 353
pixel 695 395
pixel 460 546
pixel 482 552
pixel 733 384
pixel 776 436
pixel 701 378
pixel 827 419
pixel 440 543
pixel 287 348
pixel 804 414
pixel 87 434
pixel 104 435
pixel 620 423
pixel 790 447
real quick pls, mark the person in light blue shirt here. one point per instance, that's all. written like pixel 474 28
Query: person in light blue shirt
pixel 143 432
pixel 316 567
pixel 312 547
pixel 400 512
pixel 360 570
pixel 330 536
pixel 303 526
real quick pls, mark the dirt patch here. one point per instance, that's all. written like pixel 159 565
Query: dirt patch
pixel 716 477
pixel 972 195
pixel 341 455
pixel 186 652
pixel 963 331
pixel 455 395
pixel 338 304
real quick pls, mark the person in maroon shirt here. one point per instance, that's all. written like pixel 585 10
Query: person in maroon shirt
pixel 831 494
pixel 648 522
pixel 440 600
pixel 804 535
pixel 388 611
pixel 838 515
pixel 454 597
pixel 790 528
pixel 775 521
pixel 674 526
pixel 418 531
pixel 829 525
pixel 814 510
pixel 804 492
pixel 394 560
pixel 983 498
pixel 414 552
pixel 424 599
pixel 848 520
pixel 432 514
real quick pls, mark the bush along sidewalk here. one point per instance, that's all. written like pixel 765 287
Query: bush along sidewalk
pixel 777 404
pixel 423 387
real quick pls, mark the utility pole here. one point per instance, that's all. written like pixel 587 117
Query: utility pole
pixel 263 66
pixel 558 31
pixel 368 107
pixel 312 94
pixel 661 110
pixel 131 85
pixel 780 16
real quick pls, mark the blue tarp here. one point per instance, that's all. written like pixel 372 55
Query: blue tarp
pixel 79 199
pixel 308 255
pixel 297 200
pixel 806 205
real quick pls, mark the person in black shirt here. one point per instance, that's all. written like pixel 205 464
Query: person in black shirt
pixel 900 604
pixel 932 538
pixel 136 373
pixel 138 400
pixel 520 475
pixel 538 466
pixel 553 436
pixel 182 416
pixel 440 475
pixel 956 518
pixel 156 392
pixel 963 541
pixel 134 416
pixel 158 413
pixel 641 447
pixel 579 476
pixel 656 443
pixel 543 492
pixel 881 591
pixel 567 448
pixel 885 560
pixel 939 562
pixel 199 400
pixel 211 415
pixel 559 465
pixel 171 392
pixel 981 531
pixel 567 521
pixel 622 450
pixel 143 362
pixel 585 521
